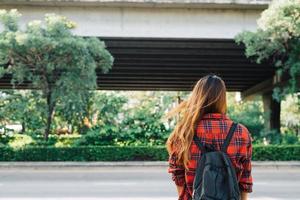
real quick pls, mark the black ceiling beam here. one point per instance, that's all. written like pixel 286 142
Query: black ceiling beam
pixel 160 78
pixel 174 64
pixel 249 66
pixel 246 80
pixel 183 52
pixel 186 69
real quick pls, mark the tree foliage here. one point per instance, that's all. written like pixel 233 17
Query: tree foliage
pixel 143 123
pixel 248 113
pixel 49 57
pixel 277 40
pixel 26 108
pixel 104 122
pixel 290 117
pixel 128 118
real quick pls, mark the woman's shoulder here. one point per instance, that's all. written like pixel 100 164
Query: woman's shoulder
pixel 243 131
pixel 242 127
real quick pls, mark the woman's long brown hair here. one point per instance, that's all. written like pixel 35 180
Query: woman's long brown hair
pixel 208 96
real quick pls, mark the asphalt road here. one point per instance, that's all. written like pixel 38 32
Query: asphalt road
pixel 129 183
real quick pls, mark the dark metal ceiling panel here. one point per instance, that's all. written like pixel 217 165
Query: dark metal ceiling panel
pixel 175 64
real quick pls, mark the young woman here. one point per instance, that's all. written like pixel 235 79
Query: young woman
pixel 205 112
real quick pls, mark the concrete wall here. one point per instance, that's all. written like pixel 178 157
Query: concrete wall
pixel 171 22
pixel 143 3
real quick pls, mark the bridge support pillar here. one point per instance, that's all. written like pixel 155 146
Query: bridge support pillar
pixel 272 112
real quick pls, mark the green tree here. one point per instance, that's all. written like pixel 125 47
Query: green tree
pixel 277 40
pixel 290 117
pixel 23 107
pixel 104 119
pixel 72 114
pixel 128 118
pixel 108 107
pixel 47 55
pixel 249 113
pixel 143 122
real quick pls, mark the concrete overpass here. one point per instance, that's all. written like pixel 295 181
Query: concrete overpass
pixel 166 44
pixel 149 18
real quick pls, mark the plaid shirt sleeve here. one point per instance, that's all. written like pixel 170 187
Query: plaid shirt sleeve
pixel 177 170
pixel 245 182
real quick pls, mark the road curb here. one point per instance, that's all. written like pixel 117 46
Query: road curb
pixel 276 164
pixel 255 164
pixel 85 164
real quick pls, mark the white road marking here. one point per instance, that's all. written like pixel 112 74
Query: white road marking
pixel 115 183
pixel 281 184
pixel 108 198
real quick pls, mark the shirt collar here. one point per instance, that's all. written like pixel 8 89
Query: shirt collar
pixel 215 116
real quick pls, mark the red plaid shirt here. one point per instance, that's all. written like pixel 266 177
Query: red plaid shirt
pixel 212 129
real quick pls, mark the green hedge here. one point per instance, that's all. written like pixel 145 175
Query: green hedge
pixel 87 153
pixel 112 153
pixel 276 152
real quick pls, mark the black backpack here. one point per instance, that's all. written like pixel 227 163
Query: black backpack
pixel 215 177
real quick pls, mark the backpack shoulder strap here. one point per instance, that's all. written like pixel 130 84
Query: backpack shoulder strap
pixel 228 137
pixel 198 143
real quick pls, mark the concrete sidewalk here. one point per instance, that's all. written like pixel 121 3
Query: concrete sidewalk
pixel 256 164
